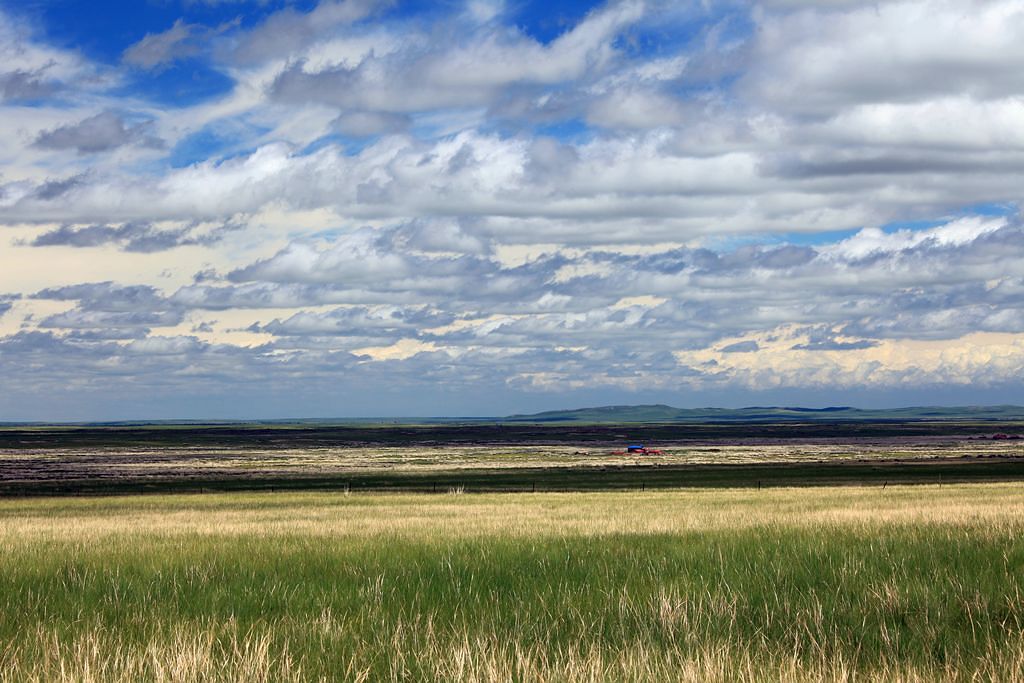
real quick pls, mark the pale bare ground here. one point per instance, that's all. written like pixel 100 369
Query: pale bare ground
pixel 994 508
pixel 167 462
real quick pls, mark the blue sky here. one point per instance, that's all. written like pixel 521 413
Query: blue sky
pixel 231 208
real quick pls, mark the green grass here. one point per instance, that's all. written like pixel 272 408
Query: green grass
pixel 919 583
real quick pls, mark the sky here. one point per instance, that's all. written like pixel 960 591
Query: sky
pixel 277 208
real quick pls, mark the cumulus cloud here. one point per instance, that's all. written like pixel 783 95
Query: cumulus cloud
pixel 182 41
pixel 290 30
pixel 369 123
pixel 828 343
pixel 356 321
pixel 156 49
pixel 469 74
pixel 33 70
pixel 51 189
pixel 107 297
pixel 133 237
pixel 748 346
pixel 25 85
pixel 945 282
pixel 941 283
pixel 100 133
pixel 106 311
pixel 111 325
pixel 662 195
pixel 398 263
pixel 621 190
pixel 819 60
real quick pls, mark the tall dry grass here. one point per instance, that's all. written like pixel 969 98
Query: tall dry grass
pixel 902 584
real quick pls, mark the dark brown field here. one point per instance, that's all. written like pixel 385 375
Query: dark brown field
pixel 486 457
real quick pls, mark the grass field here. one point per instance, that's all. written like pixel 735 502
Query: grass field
pixel 128 467
pixel 902 583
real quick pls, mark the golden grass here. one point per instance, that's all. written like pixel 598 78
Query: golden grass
pixel 191 657
pixel 826 584
pixel 987 507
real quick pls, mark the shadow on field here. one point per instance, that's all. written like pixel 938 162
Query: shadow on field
pixel 510 480
pixel 41 461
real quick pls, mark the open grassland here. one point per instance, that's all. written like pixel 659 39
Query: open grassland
pixel 916 583
pixel 128 462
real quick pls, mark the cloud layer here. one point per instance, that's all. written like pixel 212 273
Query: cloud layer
pixel 729 201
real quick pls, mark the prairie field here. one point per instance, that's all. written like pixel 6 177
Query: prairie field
pixel 96 460
pixel 902 583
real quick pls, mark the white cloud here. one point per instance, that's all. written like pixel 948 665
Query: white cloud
pixel 820 60
pixel 19 53
pixel 290 30
pixel 874 241
pixel 156 49
pixel 100 133
pixel 954 122
pixel 449 202
pixel 471 73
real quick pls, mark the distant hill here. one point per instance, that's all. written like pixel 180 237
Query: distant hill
pixel 626 414
pixel 663 413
